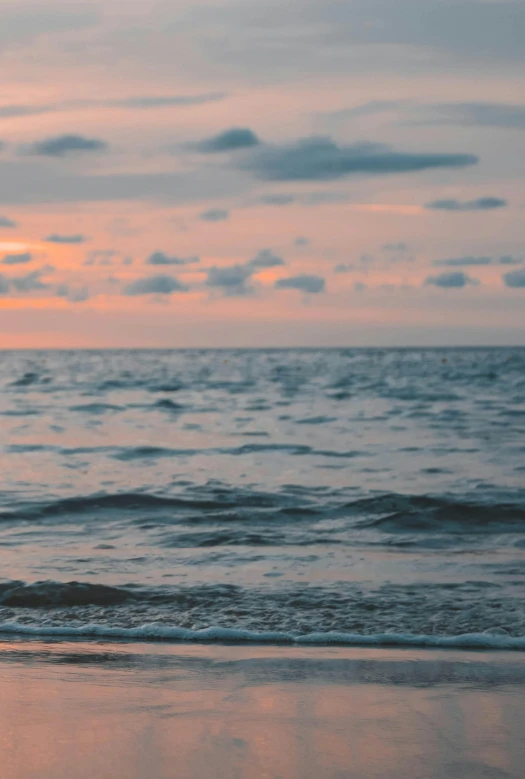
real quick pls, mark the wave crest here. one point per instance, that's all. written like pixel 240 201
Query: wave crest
pixel 419 513
pixel 55 594
pixel 219 635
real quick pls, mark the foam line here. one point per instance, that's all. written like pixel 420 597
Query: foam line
pixel 160 632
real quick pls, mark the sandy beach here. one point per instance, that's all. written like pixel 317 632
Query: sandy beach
pixel 159 711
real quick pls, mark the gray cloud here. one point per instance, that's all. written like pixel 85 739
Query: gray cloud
pixel 515 279
pixel 20 23
pixel 63 145
pixel 365 260
pixel 503 115
pixel 319 158
pixel 140 102
pixel 229 140
pixel 364 109
pixel 4 284
pixel 32 282
pixel 54 238
pixel 265 259
pixel 165 101
pixel 451 280
pixel 272 41
pixel 318 198
pixel 301 240
pixel 458 262
pixel 480 204
pixel 233 279
pixel 17 259
pixel 73 295
pixel 508 260
pixel 12 111
pixel 360 286
pixel 155 285
pixel 214 215
pixel 103 256
pixel 6 222
pixel 159 258
pixel 464 114
pixel 304 283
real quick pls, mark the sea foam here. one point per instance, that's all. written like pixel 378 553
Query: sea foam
pixel 490 639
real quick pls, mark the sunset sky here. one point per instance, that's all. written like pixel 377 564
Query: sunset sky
pixel 235 173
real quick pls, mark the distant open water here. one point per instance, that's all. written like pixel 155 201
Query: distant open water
pixel 347 496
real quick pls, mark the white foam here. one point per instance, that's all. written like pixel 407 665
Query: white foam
pixel 161 632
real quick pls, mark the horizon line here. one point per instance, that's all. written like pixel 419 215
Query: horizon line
pixel 252 348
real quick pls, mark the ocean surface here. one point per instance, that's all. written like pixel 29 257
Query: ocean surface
pixel 308 496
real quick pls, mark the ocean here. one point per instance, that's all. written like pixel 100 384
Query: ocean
pixel 345 496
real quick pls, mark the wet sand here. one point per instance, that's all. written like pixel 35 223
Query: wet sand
pixel 99 710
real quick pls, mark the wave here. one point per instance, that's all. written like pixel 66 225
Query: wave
pixel 168 405
pixel 207 503
pixel 434 615
pixel 21 412
pixel 320 420
pixel 384 514
pixel 219 635
pixel 55 595
pixel 126 501
pixel 128 381
pixel 146 452
pixel 246 537
pixel 392 513
pixel 96 408
pixel 30 378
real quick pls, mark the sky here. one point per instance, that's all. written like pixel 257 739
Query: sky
pixel 216 173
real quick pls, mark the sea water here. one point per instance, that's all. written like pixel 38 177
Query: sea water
pixel 310 496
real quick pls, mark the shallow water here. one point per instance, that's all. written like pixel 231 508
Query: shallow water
pixel 275 494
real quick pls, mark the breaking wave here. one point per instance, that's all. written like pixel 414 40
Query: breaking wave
pixel 345 613
pixel 218 635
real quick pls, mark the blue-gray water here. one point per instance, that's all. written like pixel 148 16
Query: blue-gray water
pixel 345 492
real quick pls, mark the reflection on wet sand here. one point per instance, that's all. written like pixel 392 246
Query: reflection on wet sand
pixel 101 711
